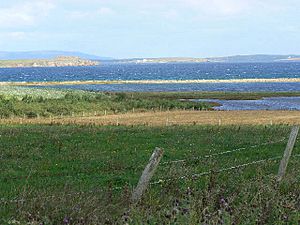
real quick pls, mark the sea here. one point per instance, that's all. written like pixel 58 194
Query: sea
pixel 168 71
pixel 177 71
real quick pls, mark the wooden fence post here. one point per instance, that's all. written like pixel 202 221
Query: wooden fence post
pixel 288 152
pixel 147 175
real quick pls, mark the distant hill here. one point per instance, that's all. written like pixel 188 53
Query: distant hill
pixel 60 61
pixel 227 59
pixel 255 58
pixel 47 55
pixel 163 60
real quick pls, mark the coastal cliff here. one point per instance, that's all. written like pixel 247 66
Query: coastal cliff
pixel 60 61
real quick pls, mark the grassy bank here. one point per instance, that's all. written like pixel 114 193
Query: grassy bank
pixel 35 102
pixel 85 174
pixel 32 103
pixel 213 95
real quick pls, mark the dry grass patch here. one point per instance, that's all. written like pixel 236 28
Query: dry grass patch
pixel 174 118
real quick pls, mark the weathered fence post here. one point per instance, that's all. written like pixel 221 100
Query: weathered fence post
pixel 288 152
pixel 147 175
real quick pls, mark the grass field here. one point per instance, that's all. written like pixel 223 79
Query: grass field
pixel 29 103
pixel 85 174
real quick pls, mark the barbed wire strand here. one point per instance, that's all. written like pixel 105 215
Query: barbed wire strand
pixel 194 176
pixel 221 153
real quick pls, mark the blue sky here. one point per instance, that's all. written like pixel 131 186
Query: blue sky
pixel 152 28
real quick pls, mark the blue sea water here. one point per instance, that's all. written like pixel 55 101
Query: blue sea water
pixel 173 71
pixel 272 103
pixel 220 87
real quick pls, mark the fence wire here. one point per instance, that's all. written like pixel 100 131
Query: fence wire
pixel 197 175
pixel 193 176
pixel 222 153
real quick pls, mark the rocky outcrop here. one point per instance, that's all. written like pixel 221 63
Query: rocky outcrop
pixel 60 61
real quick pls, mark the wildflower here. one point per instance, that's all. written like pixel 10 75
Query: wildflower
pixel 223 202
pixel 285 218
pixel 66 220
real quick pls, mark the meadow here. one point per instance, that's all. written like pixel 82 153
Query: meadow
pixel 75 174
pixel 33 103
pixel 22 102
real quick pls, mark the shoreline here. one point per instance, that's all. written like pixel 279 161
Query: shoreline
pixel 103 82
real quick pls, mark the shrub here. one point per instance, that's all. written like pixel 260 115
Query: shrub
pixel 31 114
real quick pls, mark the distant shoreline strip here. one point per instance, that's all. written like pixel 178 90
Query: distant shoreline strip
pixel 86 82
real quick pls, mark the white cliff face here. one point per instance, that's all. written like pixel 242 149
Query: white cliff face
pixel 60 61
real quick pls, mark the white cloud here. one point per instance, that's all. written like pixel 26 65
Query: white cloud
pixel 24 14
pixel 171 14
pixel 103 11
pixel 224 7
pixel 211 7
pixel 17 35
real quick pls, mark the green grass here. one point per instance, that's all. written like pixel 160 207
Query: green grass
pixel 37 102
pixel 34 102
pixel 214 95
pixel 21 92
pixel 70 172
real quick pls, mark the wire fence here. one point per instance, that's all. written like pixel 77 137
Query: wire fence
pixel 198 175
pixel 160 181
pixel 223 153
pixel 66 174
pixel 185 177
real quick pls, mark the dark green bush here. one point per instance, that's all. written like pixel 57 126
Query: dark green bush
pixel 31 114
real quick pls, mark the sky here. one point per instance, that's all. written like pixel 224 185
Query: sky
pixel 152 28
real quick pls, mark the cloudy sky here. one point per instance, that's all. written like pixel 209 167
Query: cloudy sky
pixel 152 28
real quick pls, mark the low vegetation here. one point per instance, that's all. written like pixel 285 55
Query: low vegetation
pixel 215 95
pixel 32 103
pixel 38 102
pixel 85 175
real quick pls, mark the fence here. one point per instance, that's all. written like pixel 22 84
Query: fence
pixel 154 162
